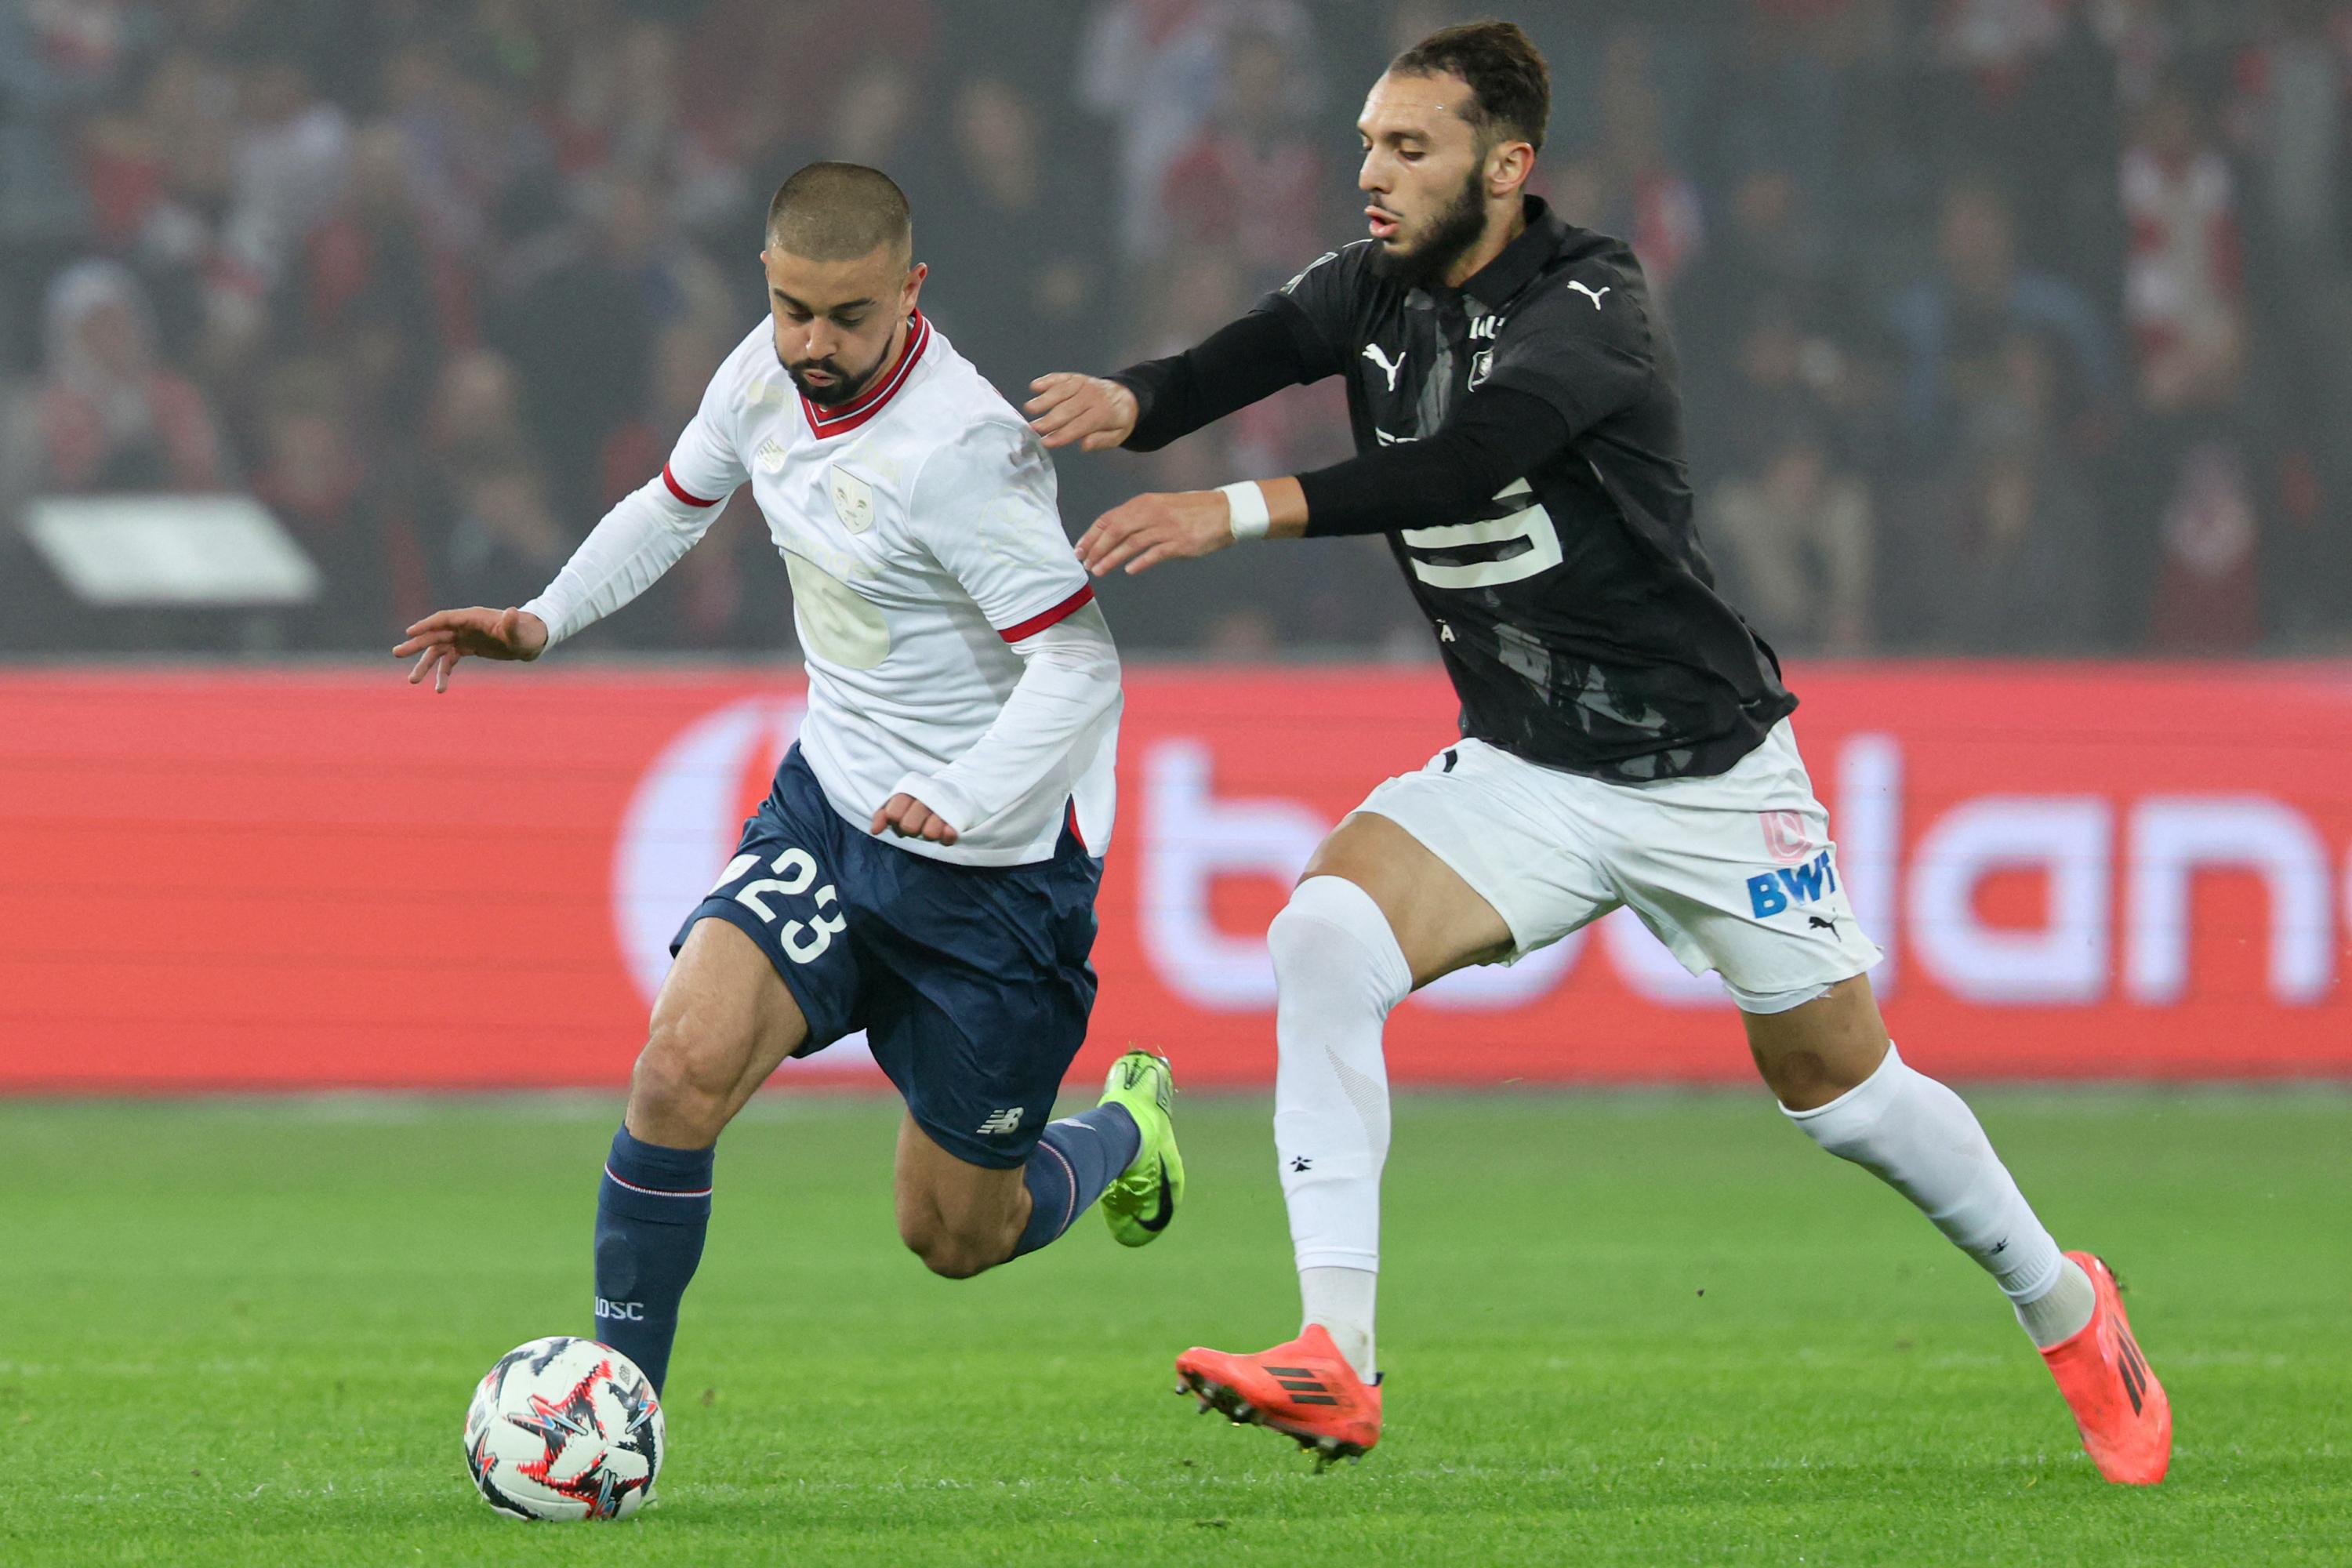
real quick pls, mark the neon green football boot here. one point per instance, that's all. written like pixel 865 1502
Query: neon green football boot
pixel 1139 1205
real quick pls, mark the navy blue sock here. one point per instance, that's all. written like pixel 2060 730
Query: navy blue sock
pixel 652 1209
pixel 1075 1160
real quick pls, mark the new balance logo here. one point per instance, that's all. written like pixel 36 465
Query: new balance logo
pixel 1373 353
pixel 1587 293
pixel 1001 1122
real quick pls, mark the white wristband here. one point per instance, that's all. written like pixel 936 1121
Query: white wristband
pixel 1251 517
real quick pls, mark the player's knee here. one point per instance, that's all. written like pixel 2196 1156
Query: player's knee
pixel 1810 1053
pixel 684 1076
pixel 1799 1080
pixel 1317 949
pixel 1301 945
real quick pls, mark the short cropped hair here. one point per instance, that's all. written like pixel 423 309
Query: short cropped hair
pixel 1510 86
pixel 840 212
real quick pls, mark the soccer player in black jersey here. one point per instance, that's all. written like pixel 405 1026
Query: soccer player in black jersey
pixel 1624 735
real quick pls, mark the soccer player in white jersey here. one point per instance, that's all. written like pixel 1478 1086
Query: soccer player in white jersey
pixel 925 867
pixel 1625 736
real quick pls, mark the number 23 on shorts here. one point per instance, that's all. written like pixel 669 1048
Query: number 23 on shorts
pixel 795 870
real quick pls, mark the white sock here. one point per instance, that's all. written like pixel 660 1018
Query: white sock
pixel 2059 1312
pixel 1922 1140
pixel 1342 1301
pixel 1338 972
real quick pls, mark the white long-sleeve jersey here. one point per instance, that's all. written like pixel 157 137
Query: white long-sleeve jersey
pixel 952 648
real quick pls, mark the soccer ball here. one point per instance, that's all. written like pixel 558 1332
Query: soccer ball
pixel 564 1428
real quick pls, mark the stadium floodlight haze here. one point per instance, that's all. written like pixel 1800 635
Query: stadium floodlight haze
pixel 1422 630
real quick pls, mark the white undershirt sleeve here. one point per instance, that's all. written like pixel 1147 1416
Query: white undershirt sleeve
pixel 1068 685
pixel 650 529
pixel 642 536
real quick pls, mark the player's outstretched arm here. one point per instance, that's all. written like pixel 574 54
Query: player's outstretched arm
pixel 1146 406
pixel 444 637
pixel 1141 533
pixel 1092 411
pixel 1498 435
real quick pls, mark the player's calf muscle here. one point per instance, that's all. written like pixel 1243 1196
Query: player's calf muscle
pixel 956 1248
pixel 959 1219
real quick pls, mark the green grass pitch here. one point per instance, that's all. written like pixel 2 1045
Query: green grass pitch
pixel 1622 1329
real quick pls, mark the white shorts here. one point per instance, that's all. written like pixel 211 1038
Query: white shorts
pixel 1734 873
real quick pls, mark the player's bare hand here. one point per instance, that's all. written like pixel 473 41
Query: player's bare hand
pixel 444 637
pixel 1155 527
pixel 908 817
pixel 1095 414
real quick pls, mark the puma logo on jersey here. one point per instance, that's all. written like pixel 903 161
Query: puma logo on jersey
pixel 1588 292
pixel 1372 352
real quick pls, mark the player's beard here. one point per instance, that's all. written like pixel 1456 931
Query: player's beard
pixel 1451 235
pixel 844 387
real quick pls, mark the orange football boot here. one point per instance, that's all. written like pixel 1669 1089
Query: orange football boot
pixel 1305 1389
pixel 2127 1420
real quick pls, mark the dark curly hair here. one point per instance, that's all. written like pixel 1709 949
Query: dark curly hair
pixel 1510 86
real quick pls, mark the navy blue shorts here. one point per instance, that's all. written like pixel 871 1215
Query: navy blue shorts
pixel 971 982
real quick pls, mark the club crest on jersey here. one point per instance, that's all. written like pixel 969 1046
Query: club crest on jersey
pixel 1785 838
pixel 770 457
pixel 1482 364
pixel 852 500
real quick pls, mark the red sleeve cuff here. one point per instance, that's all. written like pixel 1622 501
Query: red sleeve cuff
pixel 1039 622
pixel 679 491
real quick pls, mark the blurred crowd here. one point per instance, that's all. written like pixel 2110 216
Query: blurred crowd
pixel 2006 326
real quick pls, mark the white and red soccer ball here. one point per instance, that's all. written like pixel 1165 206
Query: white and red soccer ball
pixel 564 1428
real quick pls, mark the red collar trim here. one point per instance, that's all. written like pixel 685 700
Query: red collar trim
pixel 824 423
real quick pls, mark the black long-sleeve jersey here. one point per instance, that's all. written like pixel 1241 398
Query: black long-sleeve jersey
pixel 1575 610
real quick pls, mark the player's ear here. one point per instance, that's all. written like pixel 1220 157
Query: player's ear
pixel 1509 166
pixel 914 275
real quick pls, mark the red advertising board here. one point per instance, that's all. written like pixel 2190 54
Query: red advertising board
pixel 253 881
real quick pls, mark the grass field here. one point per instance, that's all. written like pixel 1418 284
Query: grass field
pixel 1619 1330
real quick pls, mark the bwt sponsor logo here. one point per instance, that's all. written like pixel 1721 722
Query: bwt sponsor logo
pixel 1774 891
pixel 2116 919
